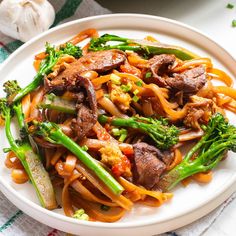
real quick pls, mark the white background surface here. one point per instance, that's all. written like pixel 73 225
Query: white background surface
pixel 213 18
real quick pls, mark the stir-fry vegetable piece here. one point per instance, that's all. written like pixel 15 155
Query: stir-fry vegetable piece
pixel 46 66
pixel 219 137
pixel 164 136
pixel 51 101
pixel 52 133
pixel 23 150
pixel 143 47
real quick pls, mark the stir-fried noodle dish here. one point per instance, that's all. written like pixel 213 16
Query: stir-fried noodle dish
pixel 103 127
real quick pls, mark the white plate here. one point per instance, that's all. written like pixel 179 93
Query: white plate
pixel 188 203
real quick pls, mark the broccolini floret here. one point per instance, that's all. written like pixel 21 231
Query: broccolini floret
pixel 23 150
pixel 163 135
pixel 219 138
pixel 46 66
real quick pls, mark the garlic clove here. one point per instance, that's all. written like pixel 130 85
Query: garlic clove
pixel 24 19
pixel 8 12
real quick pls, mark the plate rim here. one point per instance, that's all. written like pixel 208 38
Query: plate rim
pixel 9 190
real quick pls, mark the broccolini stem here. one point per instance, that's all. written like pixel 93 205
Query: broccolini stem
pixel 163 135
pixel 19 115
pixel 30 87
pixel 31 162
pixel 9 135
pixel 141 46
pixel 56 135
pixel 219 137
pixel 54 102
pixel 184 170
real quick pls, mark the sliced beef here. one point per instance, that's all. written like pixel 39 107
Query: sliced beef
pixel 160 65
pixel 190 81
pixel 87 111
pixel 100 62
pixel 84 122
pixel 86 101
pixel 147 166
pixel 166 156
pixel 199 112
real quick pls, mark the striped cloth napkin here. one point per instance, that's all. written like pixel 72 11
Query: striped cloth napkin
pixel 12 220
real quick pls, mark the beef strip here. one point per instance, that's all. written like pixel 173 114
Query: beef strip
pixel 190 81
pixel 100 62
pixel 87 111
pixel 160 65
pixel 199 112
pixel 166 156
pixel 84 122
pixel 86 101
pixel 147 167
pixel 68 78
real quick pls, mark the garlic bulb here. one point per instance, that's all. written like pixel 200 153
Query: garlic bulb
pixel 24 19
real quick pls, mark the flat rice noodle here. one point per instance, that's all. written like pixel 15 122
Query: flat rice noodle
pixel 57 155
pixel 203 177
pixel 151 198
pixel 70 163
pixel 231 92
pixel 166 106
pixel 66 200
pixel 88 33
pixel 36 99
pixel 193 63
pixel 177 159
pixel 221 76
pixel 48 155
pixel 135 60
pixel 110 107
pixel 87 195
pixel 192 134
pixel 102 133
pixel 120 200
pixel 101 80
pixel 221 100
pixel 26 105
pixel 131 77
pixel 230 107
pixel 96 213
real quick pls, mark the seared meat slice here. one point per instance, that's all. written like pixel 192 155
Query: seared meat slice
pixel 87 111
pixel 166 156
pixel 84 122
pixel 190 81
pixel 100 62
pixel 199 112
pixel 147 167
pixel 86 101
pixel 160 65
